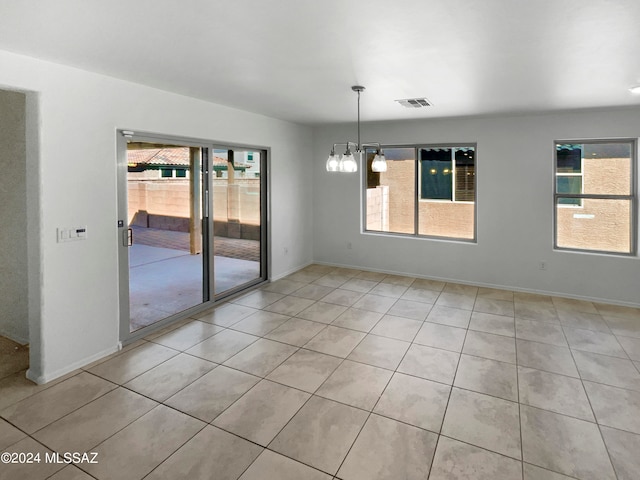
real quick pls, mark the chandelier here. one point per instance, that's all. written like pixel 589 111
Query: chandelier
pixel 347 162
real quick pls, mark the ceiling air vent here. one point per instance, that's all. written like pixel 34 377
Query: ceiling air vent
pixel 414 102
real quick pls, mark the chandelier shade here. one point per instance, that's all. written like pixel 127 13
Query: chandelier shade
pixel 332 162
pixel 379 163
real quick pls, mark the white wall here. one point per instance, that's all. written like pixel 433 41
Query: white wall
pixel 72 146
pixel 515 207
pixel 14 321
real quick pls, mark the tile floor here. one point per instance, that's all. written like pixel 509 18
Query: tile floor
pixel 337 373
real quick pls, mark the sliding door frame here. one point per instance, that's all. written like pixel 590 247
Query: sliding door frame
pixel 123 136
pixel 264 216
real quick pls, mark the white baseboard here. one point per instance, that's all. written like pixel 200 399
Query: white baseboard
pixel 46 377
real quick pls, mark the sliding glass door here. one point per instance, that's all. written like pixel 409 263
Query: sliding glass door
pixel 237 186
pixel 167 269
pixel 192 227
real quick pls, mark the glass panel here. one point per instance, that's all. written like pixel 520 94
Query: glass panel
pixel 569 184
pixel 391 195
pixel 436 173
pixel 465 180
pixel 165 262
pixel 447 219
pixel 568 158
pixel 237 225
pixel 437 216
pixel 607 168
pixel 601 224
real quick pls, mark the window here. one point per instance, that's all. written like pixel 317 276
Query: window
pixel 181 173
pixel 426 191
pixel 594 196
pixel 166 172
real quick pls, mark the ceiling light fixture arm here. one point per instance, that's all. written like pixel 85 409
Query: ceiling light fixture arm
pixel 346 162
pixel 358 89
pixel 354 144
pixel 344 144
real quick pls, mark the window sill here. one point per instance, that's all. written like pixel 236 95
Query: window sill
pixel 462 241
pixel 434 200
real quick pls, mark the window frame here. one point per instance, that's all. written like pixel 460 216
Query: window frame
pixel 632 197
pixel 417 186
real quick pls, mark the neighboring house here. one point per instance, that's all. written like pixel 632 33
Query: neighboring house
pixel 151 164
pixel 167 163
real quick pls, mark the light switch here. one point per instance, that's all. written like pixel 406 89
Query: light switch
pixel 71 234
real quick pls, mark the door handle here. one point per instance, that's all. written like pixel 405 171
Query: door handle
pixel 128 237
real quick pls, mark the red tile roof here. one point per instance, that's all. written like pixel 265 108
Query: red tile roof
pixel 159 156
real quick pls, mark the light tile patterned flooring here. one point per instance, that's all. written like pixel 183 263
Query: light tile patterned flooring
pixel 338 373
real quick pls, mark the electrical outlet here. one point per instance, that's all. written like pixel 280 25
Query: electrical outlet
pixel 349 246
pixel 543 265
pixel 285 250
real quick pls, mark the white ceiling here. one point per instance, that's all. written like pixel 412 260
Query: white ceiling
pixel 296 59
